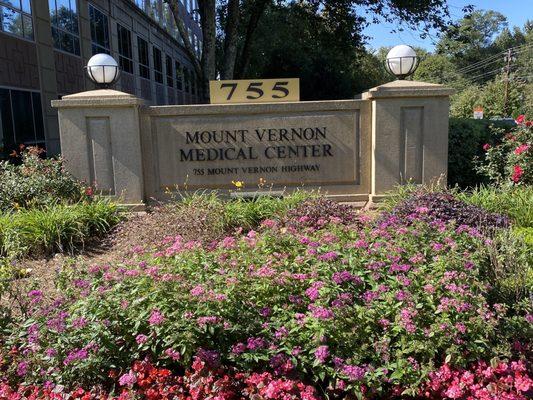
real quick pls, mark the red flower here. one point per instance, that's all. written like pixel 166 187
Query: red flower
pixel 520 119
pixel 521 149
pixel 517 174
pixel 89 191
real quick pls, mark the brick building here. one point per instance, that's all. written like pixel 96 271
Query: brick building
pixel 44 45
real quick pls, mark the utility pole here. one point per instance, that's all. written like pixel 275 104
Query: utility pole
pixel 506 93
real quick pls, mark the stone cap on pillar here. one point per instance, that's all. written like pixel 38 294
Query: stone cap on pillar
pixel 403 88
pixel 98 98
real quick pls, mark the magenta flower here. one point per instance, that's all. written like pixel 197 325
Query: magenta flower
pixel 322 353
pixel 127 379
pixel 156 318
pixel 140 339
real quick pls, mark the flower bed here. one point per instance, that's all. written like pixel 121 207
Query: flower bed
pixel 300 307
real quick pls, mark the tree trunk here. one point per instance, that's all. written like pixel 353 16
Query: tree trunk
pixel 258 8
pixel 209 30
pixel 230 40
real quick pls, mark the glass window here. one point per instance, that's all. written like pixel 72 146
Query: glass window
pixel 144 60
pixel 99 31
pixel 7 137
pixel 22 116
pixel 158 65
pixel 186 80
pixel 15 18
pixel 170 71
pixel 179 76
pixel 64 20
pixel 124 49
pixel 21 120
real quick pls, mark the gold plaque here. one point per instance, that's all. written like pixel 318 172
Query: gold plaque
pixel 254 91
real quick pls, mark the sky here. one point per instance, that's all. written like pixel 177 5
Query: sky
pixel 516 11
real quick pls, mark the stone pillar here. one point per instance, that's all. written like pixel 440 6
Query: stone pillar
pixel 101 143
pixel 409 134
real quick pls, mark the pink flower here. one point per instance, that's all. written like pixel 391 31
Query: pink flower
pixel 454 392
pixel 322 353
pixel 197 290
pixel 156 318
pixel 173 354
pixel 127 379
pixel 486 146
pixel 140 339
pixel 521 149
pixel 520 119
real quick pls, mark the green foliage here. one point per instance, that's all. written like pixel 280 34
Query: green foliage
pixel 471 40
pixel 510 161
pixel 293 40
pixel 55 227
pixel 242 212
pixel 514 201
pixel 466 140
pixel 526 234
pixel 316 297
pixel 36 182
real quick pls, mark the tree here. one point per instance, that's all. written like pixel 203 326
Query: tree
pixel 238 21
pixel 472 39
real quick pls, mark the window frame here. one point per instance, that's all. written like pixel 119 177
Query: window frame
pixel 94 44
pixel 169 70
pixel 144 67
pixel 38 139
pixel 124 59
pixel 158 61
pixel 178 67
pixel 59 30
pixel 24 16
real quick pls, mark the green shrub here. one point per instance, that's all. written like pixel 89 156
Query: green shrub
pixel 466 140
pixel 511 161
pixel 57 227
pixel 526 234
pixel 240 212
pixel 514 201
pixel 36 182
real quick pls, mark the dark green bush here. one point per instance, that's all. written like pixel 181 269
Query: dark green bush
pixel 36 182
pixel 466 140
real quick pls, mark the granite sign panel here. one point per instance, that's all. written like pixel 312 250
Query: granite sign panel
pixel 281 150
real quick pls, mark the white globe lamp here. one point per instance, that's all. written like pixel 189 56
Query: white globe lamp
pixel 401 61
pixel 103 70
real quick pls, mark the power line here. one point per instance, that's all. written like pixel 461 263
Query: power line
pixel 494 58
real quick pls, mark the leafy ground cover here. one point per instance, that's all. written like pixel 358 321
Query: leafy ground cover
pixel 305 299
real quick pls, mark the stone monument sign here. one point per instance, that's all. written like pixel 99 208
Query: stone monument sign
pixel 353 150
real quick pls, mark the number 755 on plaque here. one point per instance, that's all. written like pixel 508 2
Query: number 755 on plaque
pixel 254 91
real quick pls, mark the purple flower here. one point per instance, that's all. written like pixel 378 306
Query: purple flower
pixel 22 368
pixel 321 312
pixel 197 290
pixel 173 354
pixel 140 339
pixel 238 348
pixel 156 318
pixel 75 355
pixel 127 379
pixel 329 256
pixel 322 353
pixel 353 372
pixel 255 343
